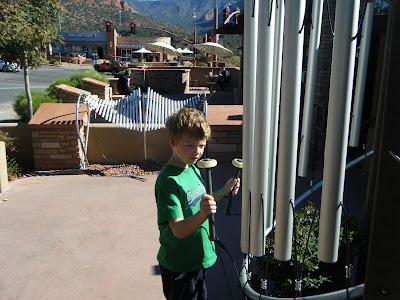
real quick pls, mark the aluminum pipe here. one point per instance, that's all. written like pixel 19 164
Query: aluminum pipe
pixel 309 94
pixel 361 76
pixel 260 200
pixel 342 73
pixel 249 94
pixel 289 123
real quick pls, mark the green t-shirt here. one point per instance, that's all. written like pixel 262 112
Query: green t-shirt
pixel 178 193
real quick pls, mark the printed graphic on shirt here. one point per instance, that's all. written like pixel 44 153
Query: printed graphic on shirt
pixel 194 197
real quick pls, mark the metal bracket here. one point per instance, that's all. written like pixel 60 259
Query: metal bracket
pixel 396 157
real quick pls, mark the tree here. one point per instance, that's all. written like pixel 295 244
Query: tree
pixel 27 28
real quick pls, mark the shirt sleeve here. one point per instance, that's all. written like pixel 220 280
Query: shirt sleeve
pixel 168 204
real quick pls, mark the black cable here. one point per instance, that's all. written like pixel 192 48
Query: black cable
pixel 304 19
pixel 361 22
pixel 222 246
pixel 254 7
pixel 346 232
pixel 270 13
pixel 329 17
pixel 295 249
pixel 308 238
pixel 224 269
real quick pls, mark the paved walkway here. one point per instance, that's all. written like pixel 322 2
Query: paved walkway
pixel 90 237
pixel 78 237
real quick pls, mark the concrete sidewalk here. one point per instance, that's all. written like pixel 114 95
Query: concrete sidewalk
pixel 79 237
pixel 90 237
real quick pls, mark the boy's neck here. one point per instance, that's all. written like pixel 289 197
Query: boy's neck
pixel 174 161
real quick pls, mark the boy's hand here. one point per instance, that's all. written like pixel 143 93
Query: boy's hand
pixel 233 184
pixel 207 205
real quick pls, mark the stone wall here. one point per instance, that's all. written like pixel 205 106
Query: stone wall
pixel 56 148
pixel 55 139
pixel 97 87
pixel 225 143
pixel 173 81
pixel 69 94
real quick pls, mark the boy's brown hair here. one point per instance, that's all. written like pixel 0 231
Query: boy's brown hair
pixel 189 121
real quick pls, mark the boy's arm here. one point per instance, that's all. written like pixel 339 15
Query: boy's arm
pixel 182 228
pixel 232 185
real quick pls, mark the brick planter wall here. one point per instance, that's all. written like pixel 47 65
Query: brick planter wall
pixel 54 136
pixel 226 132
pixel 68 93
pixel 173 81
pixel 56 148
pixel 225 143
pixel 97 87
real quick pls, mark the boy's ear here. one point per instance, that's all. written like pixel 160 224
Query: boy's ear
pixel 172 142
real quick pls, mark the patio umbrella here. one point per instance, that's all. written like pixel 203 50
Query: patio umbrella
pixel 213 48
pixel 179 50
pixel 186 51
pixel 163 48
pixel 141 51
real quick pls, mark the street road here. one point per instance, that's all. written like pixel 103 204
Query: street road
pixel 11 83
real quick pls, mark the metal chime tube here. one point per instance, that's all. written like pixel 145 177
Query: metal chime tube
pixel 289 123
pixel 361 75
pixel 276 95
pixel 249 96
pixel 261 169
pixel 342 73
pixel 310 87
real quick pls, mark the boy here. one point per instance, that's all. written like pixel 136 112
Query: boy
pixel 183 207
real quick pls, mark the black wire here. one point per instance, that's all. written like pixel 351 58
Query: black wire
pixel 304 19
pixel 295 248
pixel 224 267
pixel 254 7
pixel 346 231
pixel 361 22
pixel 308 238
pixel 329 17
pixel 270 13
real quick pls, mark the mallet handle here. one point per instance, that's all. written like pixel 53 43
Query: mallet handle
pixel 209 191
pixel 229 203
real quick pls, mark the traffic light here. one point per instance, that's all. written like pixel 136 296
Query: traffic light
pixel 108 26
pixel 133 28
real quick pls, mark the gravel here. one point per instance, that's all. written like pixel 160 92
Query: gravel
pixel 139 169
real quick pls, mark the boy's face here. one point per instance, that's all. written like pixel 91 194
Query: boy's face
pixel 186 151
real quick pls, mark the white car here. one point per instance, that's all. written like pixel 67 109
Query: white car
pixel 6 66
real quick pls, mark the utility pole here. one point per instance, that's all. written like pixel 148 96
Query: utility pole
pixel 215 29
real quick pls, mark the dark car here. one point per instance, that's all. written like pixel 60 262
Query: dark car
pixel 110 66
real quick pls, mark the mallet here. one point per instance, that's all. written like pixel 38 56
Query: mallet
pixel 238 163
pixel 207 164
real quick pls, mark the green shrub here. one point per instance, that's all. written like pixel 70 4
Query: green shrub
pixel 79 75
pixel 52 61
pixel 187 64
pixel 317 277
pixel 67 81
pixel 202 64
pixel 20 104
pixel 233 61
pixel 13 168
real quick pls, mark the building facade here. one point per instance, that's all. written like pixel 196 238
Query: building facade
pixel 108 45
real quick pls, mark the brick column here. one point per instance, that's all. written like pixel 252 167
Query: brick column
pixel 55 139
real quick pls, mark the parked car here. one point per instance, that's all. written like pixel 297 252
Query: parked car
pixel 11 67
pixel 110 66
